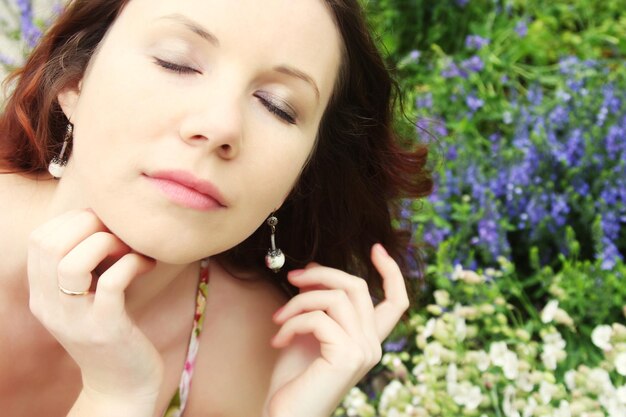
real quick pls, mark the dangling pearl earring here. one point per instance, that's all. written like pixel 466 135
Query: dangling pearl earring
pixel 275 259
pixel 57 165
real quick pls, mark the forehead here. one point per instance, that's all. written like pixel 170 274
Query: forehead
pixel 300 33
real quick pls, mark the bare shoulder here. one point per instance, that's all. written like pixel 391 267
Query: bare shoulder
pixel 236 360
pixel 21 203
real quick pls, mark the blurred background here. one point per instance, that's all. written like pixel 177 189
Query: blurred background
pixel 523 300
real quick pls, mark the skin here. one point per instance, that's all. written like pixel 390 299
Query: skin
pixel 156 96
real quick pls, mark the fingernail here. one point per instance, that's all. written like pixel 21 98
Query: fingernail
pixel 381 249
pixel 295 272
pixel 274 340
pixel 277 313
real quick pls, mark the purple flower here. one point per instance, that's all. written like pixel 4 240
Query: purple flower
pixel 415 55
pixel 473 64
pixel 575 85
pixel 439 127
pixel 610 195
pixel 614 141
pixel 451 154
pixel 610 255
pixel 490 234
pixel 580 186
pixel 568 65
pixel 462 3
pixel 433 236
pixel 559 210
pixel 7 61
pixel 601 116
pixel 435 126
pixel 559 116
pixel 563 96
pixel 575 147
pixel 405 210
pixel 611 102
pixel 395 346
pixel 476 42
pixel 452 70
pixel 536 209
pixel 30 32
pixel 424 101
pixel 535 95
pixel 474 103
pixel 498 185
pixel 521 28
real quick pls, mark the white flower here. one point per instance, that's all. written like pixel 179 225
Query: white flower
pixel 480 358
pixel 555 339
pixel 468 276
pixel 548 312
pixel 547 391
pixel 442 298
pixel 621 394
pixel 524 382
pixel 598 381
pixel 429 329
pixel 508 406
pixel 511 365
pixel 550 356
pixel 392 393
pixel 601 337
pixel 394 412
pixel 433 353
pixel 497 350
pixel 467 395
pixel 529 409
pixel 612 405
pixel 561 317
pixel 472 277
pixel 460 328
pixel 356 404
pixel 620 363
pixel 564 410
pixel 570 379
pixel 451 375
pixel 456 274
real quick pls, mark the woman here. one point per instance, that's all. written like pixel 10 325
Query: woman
pixel 159 156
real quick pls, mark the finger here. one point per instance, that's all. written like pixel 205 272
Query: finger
pixel 75 269
pixel 389 311
pixel 335 303
pixel 109 299
pixel 325 330
pixel 356 288
pixel 49 243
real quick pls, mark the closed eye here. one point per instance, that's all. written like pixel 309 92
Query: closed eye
pixel 276 109
pixel 180 69
pixel 266 101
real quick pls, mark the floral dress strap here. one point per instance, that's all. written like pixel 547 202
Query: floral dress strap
pixel 179 400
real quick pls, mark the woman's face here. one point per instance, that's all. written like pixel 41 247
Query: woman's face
pixel 231 92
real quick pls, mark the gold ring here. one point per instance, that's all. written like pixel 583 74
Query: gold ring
pixel 70 292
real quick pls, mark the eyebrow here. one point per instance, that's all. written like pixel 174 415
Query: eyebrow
pixel 212 39
pixel 193 26
pixel 284 69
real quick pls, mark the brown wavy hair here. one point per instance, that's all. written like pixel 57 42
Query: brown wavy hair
pixel 347 195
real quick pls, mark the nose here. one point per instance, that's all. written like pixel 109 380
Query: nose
pixel 214 123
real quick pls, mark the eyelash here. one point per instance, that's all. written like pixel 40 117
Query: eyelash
pixel 182 69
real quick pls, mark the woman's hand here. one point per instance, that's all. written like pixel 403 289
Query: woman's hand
pixel 331 336
pixel 116 360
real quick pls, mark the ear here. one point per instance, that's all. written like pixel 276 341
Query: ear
pixel 68 99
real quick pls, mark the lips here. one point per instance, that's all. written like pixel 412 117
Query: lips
pixel 184 188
